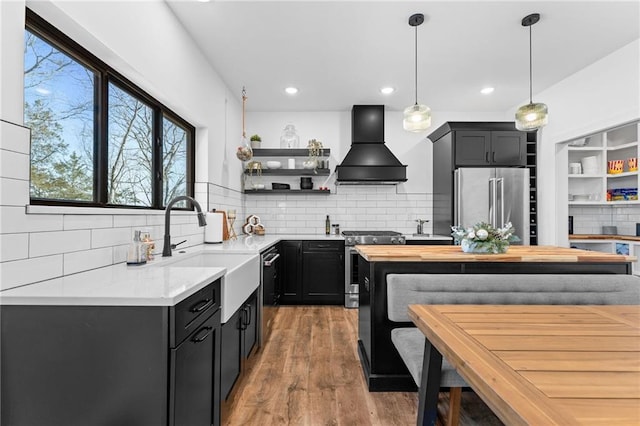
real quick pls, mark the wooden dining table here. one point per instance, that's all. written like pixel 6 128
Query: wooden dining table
pixel 536 364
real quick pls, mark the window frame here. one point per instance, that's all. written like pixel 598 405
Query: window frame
pixel 104 76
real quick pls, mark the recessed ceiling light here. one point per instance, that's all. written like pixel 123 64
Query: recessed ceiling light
pixel 487 90
pixel 291 90
pixel 387 90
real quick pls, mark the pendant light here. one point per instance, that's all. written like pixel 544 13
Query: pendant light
pixel 417 117
pixel 531 116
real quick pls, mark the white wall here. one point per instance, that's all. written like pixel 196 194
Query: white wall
pixel 353 207
pixel 156 55
pixel 602 95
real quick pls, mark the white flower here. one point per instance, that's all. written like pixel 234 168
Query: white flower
pixel 471 235
pixel 482 234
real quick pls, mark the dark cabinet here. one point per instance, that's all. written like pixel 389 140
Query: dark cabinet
pixel 250 325
pixel 291 279
pixel 192 375
pixel 312 272
pixel 489 148
pixel 323 272
pixel 231 356
pixel 78 365
pixel 239 338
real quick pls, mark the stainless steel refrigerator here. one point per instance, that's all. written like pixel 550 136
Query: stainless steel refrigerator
pixel 493 195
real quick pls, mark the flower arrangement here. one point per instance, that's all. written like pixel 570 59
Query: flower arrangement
pixel 484 238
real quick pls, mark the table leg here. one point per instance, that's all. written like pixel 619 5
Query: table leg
pixel 429 385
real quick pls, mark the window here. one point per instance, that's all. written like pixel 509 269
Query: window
pixel 97 139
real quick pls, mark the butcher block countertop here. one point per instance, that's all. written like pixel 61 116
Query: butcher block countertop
pixel 603 237
pixel 403 253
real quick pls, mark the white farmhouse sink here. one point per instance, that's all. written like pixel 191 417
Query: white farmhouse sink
pixel 241 279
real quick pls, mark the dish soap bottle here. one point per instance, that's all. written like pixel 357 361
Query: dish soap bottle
pixel 136 254
pixel 327 226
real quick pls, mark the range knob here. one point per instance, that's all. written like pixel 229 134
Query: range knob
pixel 394 240
pixel 349 240
pixel 375 240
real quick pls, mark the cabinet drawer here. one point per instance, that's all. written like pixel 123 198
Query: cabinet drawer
pixel 186 316
pixel 323 246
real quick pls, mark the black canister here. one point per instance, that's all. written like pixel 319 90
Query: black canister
pixel 306 183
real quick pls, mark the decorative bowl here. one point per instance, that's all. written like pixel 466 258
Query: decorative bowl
pixel 310 164
pixel 473 247
pixel 274 164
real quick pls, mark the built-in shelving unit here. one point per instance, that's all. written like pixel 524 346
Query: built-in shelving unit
pixel 612 245
pixel 601 187
pixel 266 176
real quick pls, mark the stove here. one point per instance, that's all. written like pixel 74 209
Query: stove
pixel 351 238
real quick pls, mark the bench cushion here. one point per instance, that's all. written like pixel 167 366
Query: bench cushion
pixel 409 341
pixel 508 289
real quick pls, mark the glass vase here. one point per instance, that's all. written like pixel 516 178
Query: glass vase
pixel 289 138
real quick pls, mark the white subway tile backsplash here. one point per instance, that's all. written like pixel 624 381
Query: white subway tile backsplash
pixel 47 243
pixel 14 165
pixel 110 237
pixel 14 247
pixel 137 221
pixel 120 252
pixel 71 222
pixel 20 272
pixel 14 138
pixel 14 220
pixel 87 259
pixel 14 192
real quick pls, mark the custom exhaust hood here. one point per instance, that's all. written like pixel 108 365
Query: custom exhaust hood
pixel 369 161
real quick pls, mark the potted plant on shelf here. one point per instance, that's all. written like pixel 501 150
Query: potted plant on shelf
pixel 255 141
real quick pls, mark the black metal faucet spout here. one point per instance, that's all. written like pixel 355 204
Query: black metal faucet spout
pixel 166 250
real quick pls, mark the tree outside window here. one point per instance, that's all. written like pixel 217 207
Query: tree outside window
pixel 93 134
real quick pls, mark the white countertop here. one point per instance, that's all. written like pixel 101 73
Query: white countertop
pixel 153 284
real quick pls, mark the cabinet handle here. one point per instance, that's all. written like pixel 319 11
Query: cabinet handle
pixel 198 337
pixel 486 157
pixel 494 156
pixel 249 310
pixel 243 319
pixel 201 305
pixel 366 283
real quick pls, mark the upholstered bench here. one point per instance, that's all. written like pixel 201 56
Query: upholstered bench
pixel 497 289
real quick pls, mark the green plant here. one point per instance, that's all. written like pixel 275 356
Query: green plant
pixel 256 138
pixel 484 238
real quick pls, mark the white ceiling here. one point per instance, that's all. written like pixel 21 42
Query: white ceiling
pixel 339 53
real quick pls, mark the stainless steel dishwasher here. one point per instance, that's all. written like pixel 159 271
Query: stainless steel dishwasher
pixel 270 291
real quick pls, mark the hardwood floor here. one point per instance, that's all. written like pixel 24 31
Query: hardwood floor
pixel 308 373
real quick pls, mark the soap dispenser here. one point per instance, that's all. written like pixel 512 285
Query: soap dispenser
pixel 136 254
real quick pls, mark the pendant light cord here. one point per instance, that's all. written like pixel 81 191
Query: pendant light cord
pixel 530 67
pixel 416 62
pixel 244 100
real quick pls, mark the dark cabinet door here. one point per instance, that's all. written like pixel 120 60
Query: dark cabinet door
pixel 323 278
pixel 323 272
pixel 193 375
pixel 490 148
pixel 250 327
pixel 472 148
pixel 291 278
pixel 508 148
pixel 230 358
